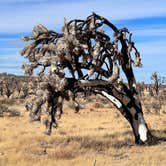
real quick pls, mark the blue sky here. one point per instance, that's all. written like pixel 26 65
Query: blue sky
pixel 145 19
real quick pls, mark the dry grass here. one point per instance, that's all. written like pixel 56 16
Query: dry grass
pixel 101 137
pixel 154 105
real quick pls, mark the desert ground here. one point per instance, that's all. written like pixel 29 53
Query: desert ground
pixel 96 136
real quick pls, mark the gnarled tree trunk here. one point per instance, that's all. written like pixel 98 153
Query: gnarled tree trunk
pixel 85 56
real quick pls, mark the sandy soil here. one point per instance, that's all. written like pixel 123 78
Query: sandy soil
pixel 92 137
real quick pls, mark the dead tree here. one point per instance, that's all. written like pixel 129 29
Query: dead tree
pixel 84 57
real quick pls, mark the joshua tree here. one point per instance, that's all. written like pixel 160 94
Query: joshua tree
pixel 158 81
pixel 6 89
pixel 85 57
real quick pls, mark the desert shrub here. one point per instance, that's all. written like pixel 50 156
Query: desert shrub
pixel 9 112
pixel 98 105
pixel 6 101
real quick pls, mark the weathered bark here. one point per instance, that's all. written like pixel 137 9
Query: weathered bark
pixel 125 102
pixel 132 111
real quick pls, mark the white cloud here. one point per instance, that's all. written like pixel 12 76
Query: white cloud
pixel 20 1
pixel 9 49
pixel 150 32
pixel 7 39
pixel 23 17
pixel 152 48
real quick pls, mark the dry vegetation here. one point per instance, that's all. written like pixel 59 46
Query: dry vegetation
pixel 97 135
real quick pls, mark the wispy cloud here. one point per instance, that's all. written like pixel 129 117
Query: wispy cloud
pixel 146 20
pixel 150 32
pixel 24 17
pixel 152 47
pixel 20 1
